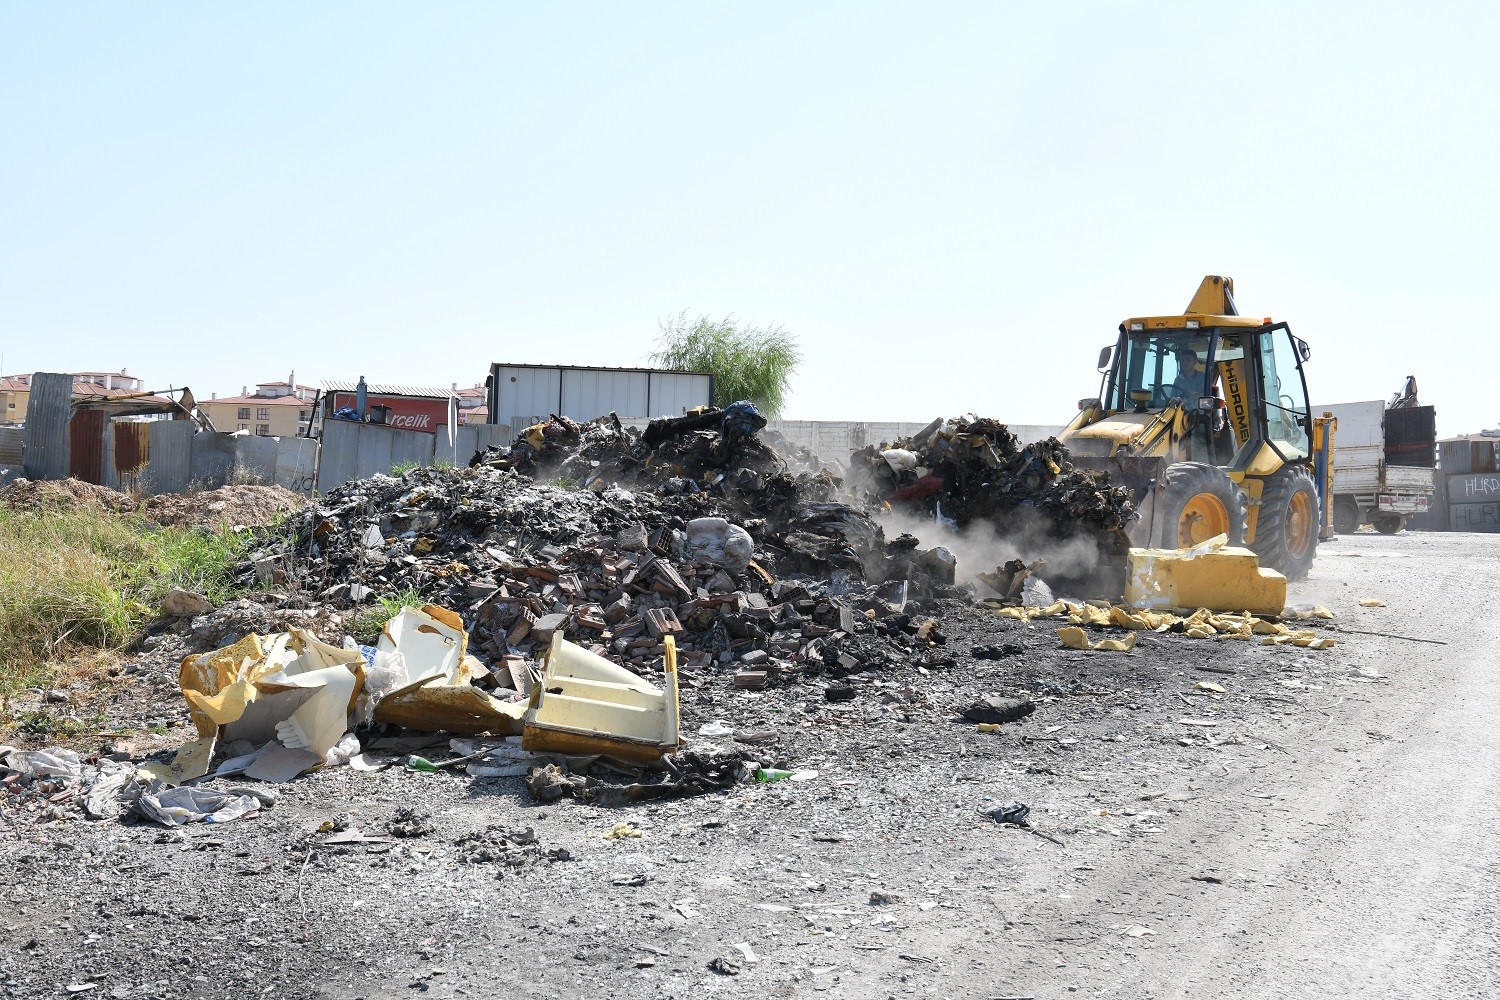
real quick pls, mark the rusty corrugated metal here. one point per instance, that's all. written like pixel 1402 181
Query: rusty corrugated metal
pixel 132 445
pixel 86 446
pixel 131 453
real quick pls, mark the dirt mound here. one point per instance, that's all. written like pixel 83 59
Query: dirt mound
pixel 252 506
pixel 64 494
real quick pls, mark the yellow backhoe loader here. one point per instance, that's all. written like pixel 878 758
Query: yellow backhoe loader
pixel 1204 416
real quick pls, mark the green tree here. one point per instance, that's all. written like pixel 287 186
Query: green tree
pixel 754 363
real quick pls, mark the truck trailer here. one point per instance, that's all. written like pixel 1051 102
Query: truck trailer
pixel 1383 463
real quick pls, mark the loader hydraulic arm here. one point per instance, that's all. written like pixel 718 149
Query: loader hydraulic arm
pixel 1161 434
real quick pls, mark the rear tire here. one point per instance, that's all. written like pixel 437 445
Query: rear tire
pixel 1286 532
pixel 1346 517
pixel 1389 524
pixel 1197 502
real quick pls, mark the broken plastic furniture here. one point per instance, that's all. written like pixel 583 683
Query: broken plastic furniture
pixel 290 686
pixel 1211 575
pixel 585 704
pixel 437 693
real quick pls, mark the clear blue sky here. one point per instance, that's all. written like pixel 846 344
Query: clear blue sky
pixel 951 205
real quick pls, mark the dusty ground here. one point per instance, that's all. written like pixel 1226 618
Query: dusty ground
pixel 1331 835
pixel 226 506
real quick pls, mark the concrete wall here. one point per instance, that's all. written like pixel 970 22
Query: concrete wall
pixel 471 439
pixel 353 450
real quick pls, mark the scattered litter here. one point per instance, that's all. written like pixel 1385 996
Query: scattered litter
pixel 1076 638
pixel 197 804
pixel 1010 812
pixel 724 965
pixel 1201 624
pixel 998 710
pixel 997 651
pixel 37 765
pixel 409 823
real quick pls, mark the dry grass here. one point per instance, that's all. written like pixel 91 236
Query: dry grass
pixel 86 578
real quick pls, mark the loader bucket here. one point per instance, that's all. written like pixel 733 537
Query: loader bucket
pixel 1140 476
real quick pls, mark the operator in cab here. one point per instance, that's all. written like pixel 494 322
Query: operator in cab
pixel 1188 385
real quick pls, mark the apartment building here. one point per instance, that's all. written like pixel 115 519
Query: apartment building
pixel 274 409
pixel 473 405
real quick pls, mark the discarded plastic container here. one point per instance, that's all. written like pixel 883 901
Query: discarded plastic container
pixel 588 705
pixel 769 774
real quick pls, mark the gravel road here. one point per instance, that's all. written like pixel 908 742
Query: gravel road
pixel 1329 835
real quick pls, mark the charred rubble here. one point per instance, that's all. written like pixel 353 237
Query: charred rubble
pixel 757 571
pixel 970 470
pixel 694 528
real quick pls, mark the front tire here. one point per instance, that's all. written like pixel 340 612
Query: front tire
pixel 1286 532
pixel 1197 502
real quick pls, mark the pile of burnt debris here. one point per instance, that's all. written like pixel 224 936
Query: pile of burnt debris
pixel 968 470
pixel 694 529
pixel 753 569
pixel 971 469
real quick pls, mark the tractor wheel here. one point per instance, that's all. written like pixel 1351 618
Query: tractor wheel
pixel 1389 524
pixel 1286 533
pixel 1346 516
pixel 1197 502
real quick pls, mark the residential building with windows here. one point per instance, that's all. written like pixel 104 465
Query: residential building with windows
pixel 274 409
pixel 473 405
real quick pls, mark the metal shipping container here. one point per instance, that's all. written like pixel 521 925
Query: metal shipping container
pixel 522 395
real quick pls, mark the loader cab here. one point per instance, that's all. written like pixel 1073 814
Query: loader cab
pixel 1240 384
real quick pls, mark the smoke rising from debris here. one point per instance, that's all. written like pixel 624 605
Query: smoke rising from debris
pixel 981 547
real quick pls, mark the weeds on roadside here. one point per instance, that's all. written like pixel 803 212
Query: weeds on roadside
pixel 90 578
pixel 402 468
